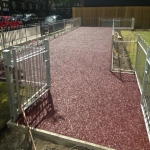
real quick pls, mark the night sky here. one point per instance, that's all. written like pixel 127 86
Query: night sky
pixel 116 2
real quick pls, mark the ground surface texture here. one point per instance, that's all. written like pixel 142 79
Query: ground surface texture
pixel 87 101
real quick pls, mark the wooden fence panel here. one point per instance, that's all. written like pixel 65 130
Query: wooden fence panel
pixel 137 13
pixel 113 12
pixel 146 17
pixel 90 15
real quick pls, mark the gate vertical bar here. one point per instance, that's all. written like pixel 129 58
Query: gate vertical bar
pixel 10 84
pixel 112 44
pixel 47 60
pixel 16 72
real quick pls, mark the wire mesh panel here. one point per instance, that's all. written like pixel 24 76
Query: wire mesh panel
pixel 60 27
pixel 30 70
pixel 145 99
pixel 76 22
pixel 123 53
pixel 68 24
pixel 141 53
pixel 117 23
pixel 124 23
pixel 105 22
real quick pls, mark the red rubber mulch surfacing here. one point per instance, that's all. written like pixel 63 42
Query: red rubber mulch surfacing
pixel 90 102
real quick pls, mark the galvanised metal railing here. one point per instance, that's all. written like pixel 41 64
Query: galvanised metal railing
pixel 117 23
pixel 123 54
pixel 140 59
pixel 27 72
pixel 60 26
pixel 123 50
pixel 15 37
pixel 23 35
pixel 141 68
pixel 142 72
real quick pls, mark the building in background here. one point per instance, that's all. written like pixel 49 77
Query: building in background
pixel 8 7
pixel 41 8
pixel 4 7
pixel 65 9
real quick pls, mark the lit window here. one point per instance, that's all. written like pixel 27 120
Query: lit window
pixel 37 7
pixel 30 6
pixel 13 5
pixel 23 5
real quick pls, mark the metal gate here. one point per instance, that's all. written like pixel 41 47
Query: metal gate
pixel 27 72
pixel 145 99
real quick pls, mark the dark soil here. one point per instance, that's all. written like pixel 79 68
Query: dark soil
pixel 121 60
pixel 13 140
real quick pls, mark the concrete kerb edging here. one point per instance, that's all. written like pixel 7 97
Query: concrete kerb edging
pixel 56 138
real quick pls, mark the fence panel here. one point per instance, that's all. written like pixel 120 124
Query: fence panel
pixel 25 37
pixel 123 49
pixel 105 22
pixel 140 13
pixel 30 71
pixel 76 22
pixel 145 98
pixel 141 53
pixel 123 56
pixel 117 23
pixel 14 37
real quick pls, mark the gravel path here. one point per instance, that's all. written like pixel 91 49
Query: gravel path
pixel 90 102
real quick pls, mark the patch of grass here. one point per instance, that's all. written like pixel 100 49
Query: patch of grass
pixel 133 36
pixel 4 107
pixel 140 64
pixel 25 92
pixel 144 34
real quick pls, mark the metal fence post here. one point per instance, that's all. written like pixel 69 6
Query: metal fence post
pixel 64 26
pixel 98 21
pixel 36 29
pixel 112 44
pixel 26 34
pixel 47 61
pixel 119 22
pixel 79 21
pixel 16 73
pixel 113 25
pixel 41 28
pixel 132 25
pixel 10 84
pixel 3 39
pixel 54 30
pixel 136 52
pixel 71 23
